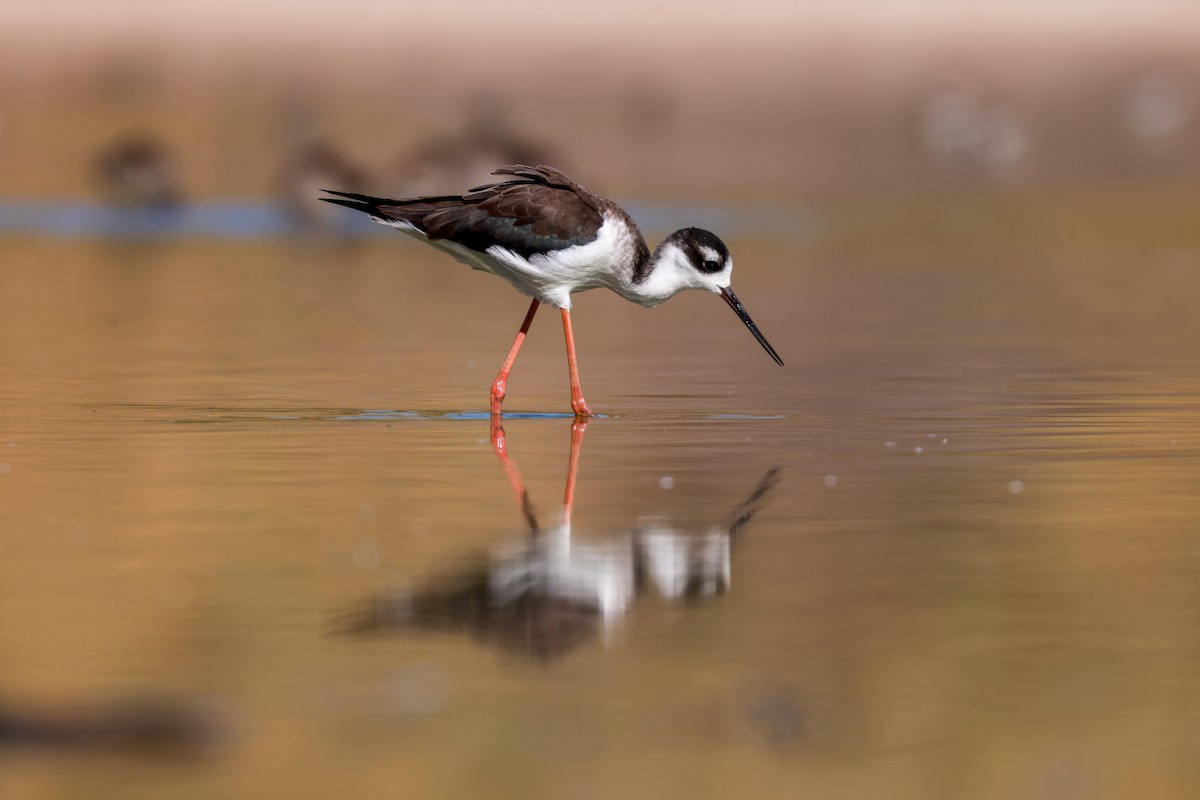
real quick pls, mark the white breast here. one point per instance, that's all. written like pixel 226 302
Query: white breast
pixel 553 277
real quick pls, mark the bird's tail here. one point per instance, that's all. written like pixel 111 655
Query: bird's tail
pixel 405 209
pixel 360 202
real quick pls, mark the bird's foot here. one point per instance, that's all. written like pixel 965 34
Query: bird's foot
pixel 498 392
pixel 581 408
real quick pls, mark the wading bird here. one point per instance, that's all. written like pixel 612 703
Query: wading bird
pixel 550 237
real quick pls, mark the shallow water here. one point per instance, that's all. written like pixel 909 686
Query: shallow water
pixel 950 550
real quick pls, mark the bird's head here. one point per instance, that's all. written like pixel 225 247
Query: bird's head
pixel 701 259
pixel 698 259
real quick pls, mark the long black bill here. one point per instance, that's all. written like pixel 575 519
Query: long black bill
pixel 729 297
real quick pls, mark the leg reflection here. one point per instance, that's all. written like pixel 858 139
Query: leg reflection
pixel 500 445
pixel 578 428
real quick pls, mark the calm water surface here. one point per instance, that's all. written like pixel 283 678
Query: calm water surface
pixel 258 542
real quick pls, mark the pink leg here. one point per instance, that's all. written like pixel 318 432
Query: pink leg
pixel 578 404
pixel 501 382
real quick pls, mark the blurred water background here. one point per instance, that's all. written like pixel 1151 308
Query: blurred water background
pixel 255 540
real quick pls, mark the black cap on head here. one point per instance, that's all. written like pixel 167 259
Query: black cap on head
pixel 701 246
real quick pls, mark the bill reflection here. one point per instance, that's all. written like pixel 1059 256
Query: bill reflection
pixel 545 594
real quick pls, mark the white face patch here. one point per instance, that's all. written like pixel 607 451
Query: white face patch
pixel 709 254
pixel 717 281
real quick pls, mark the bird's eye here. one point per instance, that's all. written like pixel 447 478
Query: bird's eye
pixel 712 266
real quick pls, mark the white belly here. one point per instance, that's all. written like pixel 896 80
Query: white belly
pixel 550 277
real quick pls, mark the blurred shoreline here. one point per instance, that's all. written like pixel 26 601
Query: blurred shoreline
pixel 708 105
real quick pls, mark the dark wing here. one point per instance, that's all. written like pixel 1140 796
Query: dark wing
pixel 538 210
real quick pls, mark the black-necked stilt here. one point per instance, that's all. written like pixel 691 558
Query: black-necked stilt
pixel 307 168
pixel 138 171
pixel 550 237
pixel 447 161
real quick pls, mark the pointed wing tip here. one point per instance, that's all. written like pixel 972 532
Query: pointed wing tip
pixel 342 201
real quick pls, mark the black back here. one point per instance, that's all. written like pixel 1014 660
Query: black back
pixel 539 210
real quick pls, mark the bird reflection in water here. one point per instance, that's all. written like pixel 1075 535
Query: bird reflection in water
pixel 138 172
pixel 143 725
pixel 545 594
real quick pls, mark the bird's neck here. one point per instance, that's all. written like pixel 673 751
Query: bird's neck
pixel 658 276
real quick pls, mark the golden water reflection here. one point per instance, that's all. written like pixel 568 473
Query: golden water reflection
pixel 976 577
pixel 544 594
